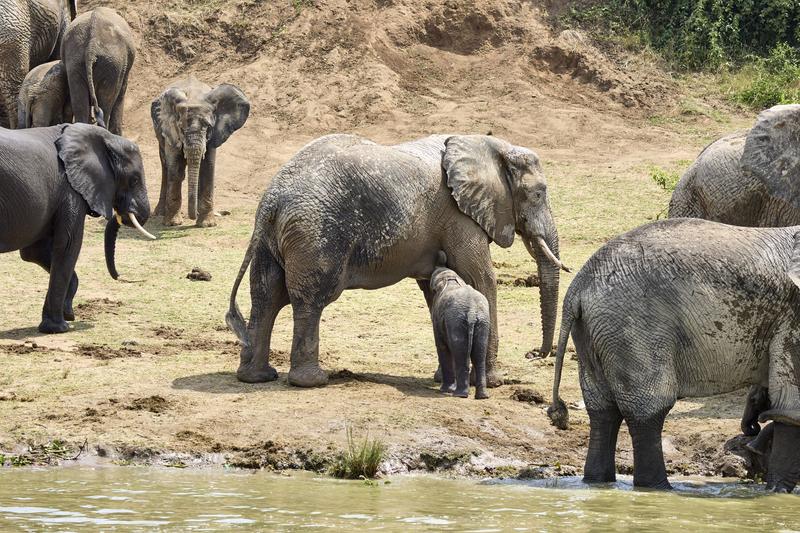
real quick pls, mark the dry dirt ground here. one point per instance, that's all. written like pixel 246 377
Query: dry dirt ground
pixel 147 372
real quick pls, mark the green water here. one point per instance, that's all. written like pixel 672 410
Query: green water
pixel 151 499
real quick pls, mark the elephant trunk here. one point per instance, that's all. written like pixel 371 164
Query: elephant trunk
pixel 194 157
pixel 110 243
pixel 541 249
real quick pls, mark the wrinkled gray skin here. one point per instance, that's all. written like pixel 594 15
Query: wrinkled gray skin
pixel 30 34
pixel 684 308
pixel 191 120
pixel 748 178
pixel 50 179
pixel 98 52
pixel 346 213
pixel 44 97
pixel 461 323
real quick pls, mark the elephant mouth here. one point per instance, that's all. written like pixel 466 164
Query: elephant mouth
pixel 135 223
pixel 539 242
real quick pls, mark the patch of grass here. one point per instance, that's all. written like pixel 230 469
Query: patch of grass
pixel 769 81
pixel 666 179
pixel 360 460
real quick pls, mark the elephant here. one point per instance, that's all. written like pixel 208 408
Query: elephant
pixel 756 403
pixel 44 97
pixel 30 34
pixel 50 179
pixel 461 322
pixel 748 178
pixel 347 213
pixel 98 52
pixel 191 120
pixel 684 308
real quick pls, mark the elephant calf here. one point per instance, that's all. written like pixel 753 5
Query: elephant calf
pixel 44 97
pixel 685 308
pixel 461 324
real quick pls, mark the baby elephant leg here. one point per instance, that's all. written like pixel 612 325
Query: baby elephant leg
pixel 480 343
pixel 459 342
pixel 446 364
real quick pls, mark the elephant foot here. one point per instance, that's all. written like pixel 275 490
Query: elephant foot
pixel 447 389
pixel 158 211
pixel 52 326
pixel 480 394
pixel 177 220
pixel 493 379
pixel 461 393
pixel 69 314
pixel 437 376
pixel 208 221
pixel 249 374
pixel 308 376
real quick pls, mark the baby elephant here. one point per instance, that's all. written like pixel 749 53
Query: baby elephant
pixel 44 97
pixel 461 322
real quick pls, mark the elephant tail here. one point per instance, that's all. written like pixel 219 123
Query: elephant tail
pixel 234 318
pixel 558 413
pixel 90 60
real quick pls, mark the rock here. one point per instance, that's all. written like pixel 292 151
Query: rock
pixel 198 274
pixel 731 466
pixel 527 395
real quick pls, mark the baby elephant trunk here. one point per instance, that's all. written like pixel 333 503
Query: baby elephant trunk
pixel 194 154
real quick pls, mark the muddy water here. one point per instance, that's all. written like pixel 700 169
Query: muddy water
pixel 149 499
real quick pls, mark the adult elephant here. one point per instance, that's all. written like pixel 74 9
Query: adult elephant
pixel 684 308
pixel 98 52
pixel 30 34
pixel 50 179
pixel 348 213
pixel 191 120
pixel 748 178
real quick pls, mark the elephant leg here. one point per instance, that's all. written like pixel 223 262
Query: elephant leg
pixel 784 462
pixel 205 200
pixel 176 166
pixel 425 287
pixel 457 342
pixel 761 443
pixel 40 253
pixel 469 257
pixel 66 247
pixel 305 370
pixel 604 428
pixel 117 111
pixel 12 75
pixel 79 97
pixel 649 469
pixel 160 209
pixel 446 363
pixel 480 343
pixel 268 296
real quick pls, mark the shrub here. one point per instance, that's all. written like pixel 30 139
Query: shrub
pixel 666 179
pixel 772 80
pixel 360 459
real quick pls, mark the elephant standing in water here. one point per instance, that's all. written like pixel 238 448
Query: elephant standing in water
pixel 50 179
pixel 191 120
pixel 684 308
pixel 98 52
pixel 347 213
pixel 30 34
pixel 749 178
pixel 44 97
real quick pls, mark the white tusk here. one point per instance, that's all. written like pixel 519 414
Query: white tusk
pixel 139 227
pixel 550 255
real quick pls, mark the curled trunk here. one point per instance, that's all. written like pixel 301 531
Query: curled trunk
pixel 194 157
pixel 110 243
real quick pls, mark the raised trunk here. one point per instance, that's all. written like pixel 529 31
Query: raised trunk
pixel 548 284
pixel 194 156
pixel 110 242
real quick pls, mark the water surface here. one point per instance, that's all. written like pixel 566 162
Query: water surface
pixel 153 499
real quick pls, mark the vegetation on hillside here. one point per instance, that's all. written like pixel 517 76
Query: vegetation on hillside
pixel 756 41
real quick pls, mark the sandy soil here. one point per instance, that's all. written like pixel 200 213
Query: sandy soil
pixel 147 373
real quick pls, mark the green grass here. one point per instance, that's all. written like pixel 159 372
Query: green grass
pixel 666 179
pixel 360 460
pixel 765 82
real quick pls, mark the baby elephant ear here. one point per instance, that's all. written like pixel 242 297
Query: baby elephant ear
pixel 232 110
pixel 164 113
pixel 477 177
pixel 82 150
pixel 772 152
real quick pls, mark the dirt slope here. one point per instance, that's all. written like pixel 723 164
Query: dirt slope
pixel 390 70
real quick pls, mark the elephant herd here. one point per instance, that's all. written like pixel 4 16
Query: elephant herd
pixel 676 308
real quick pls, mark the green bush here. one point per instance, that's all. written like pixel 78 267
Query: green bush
pixel 772 80
pixel 666 179
pixel 360 459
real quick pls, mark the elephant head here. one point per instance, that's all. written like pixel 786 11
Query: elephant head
pixel 107 171
pixel 503 189
pixel 772 152
pixel 195 123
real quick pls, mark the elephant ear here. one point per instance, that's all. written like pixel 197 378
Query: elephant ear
pixel 165 115
pixel 772 152
pixel 232 109
pixel 478 179
pixel 83 151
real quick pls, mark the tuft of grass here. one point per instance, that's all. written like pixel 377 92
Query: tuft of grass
pixel 666 179
pixel 360 460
